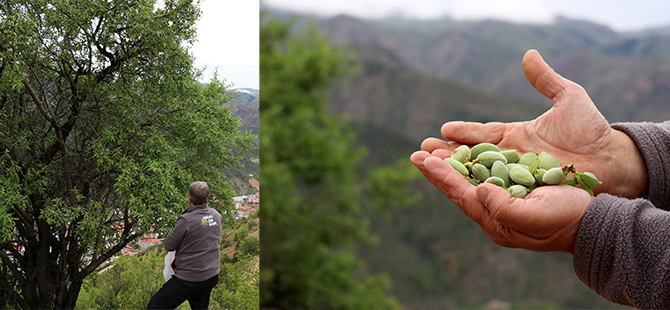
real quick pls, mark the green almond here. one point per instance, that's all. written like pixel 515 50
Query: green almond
pixel 528 159
pixel 548 161
pixel 500 170
pixel 489 157
pixel 461 153
pixel 522 176
pixel 458 166
pixel 480 172
pixel 554 176
pixel 481 148
pixel 495 180
pixel 518 191
pixel 511 155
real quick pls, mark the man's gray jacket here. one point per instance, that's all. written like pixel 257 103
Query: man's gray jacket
pixel 622 250
pixel 196 238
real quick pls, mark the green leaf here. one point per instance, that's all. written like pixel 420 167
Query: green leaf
pixel 474 181
pixel 590 179
pixel 584 185
pixel 533 168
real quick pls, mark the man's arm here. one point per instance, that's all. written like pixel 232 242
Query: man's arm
pixel 621 252
pixel 175 236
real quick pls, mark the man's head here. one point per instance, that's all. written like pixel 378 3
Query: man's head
pixel 198 193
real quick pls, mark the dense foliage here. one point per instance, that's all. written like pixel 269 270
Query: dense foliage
pixel 104 124
pixel 311 202
pixel 130 282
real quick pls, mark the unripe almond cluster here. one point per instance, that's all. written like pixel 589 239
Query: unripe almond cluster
pixel 519 174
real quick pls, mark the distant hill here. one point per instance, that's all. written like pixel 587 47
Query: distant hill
pixel 246 106
pixel 626 74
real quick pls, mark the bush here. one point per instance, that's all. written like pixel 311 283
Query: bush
pixel 239 235
pixel 250 246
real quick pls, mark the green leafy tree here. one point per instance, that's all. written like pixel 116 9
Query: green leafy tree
pixel 104 125
pixel 311 213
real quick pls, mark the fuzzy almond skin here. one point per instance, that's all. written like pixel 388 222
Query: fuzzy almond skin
pixel 480 172
pixel 518 191
pixel 458 166
pixel 489 157
pixel 481 148
pixel 521 175
pixel 528 159
pixel 499 169
pixel 548 161
pixel 554 176
pixel 511 155
pixel 495 180
pixel 461 153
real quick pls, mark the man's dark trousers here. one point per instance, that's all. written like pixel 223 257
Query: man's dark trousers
pixel 175 291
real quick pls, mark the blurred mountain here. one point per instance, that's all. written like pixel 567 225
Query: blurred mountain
pixel 626 74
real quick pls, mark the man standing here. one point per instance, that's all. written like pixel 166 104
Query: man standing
pixel 195 238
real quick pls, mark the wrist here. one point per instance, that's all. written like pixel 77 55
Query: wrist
pixel 630 177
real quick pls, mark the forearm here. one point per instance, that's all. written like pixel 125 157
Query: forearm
pixel 620 252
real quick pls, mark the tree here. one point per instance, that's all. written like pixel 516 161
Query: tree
pixel 104 126
pixel 311 213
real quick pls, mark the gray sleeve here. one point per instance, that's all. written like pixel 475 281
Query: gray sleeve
pixel 622 250
pixel 623 245
pixel 653 140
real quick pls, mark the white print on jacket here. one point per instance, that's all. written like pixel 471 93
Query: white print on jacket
pixel 208 220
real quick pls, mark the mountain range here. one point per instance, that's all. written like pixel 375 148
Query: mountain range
pixel 246 107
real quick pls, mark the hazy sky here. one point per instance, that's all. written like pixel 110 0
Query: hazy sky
pixel 228 39
pixel 620 15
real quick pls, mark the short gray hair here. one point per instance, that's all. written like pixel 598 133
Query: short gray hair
pixel 199 192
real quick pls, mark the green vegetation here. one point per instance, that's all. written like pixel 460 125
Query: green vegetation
pixel 104 124
pixel 313 201
pixel 130 282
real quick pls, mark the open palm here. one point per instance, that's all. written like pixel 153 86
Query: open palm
pixel 573 130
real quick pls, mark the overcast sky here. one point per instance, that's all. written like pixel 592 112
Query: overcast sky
pixel 620 15
pixel 228 39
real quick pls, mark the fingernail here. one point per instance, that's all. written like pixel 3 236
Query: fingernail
pixel 483 195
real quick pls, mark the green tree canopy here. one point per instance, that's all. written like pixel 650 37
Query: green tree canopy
pixel 311 214
pixel 104 126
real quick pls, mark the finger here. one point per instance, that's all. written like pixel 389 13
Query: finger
pixel 512 225
pixel 417 158
pixel 503 208
pixel 473 133
pixel 459 190
pixel 542 76
pixel 432 145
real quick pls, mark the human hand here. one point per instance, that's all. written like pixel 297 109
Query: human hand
pixel 573 130
pixel 547 219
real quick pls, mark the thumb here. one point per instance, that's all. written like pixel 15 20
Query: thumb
pixel 502 207
pixel 542 76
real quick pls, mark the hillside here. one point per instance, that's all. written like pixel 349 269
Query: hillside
pixel 129 282
pixel 245 179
